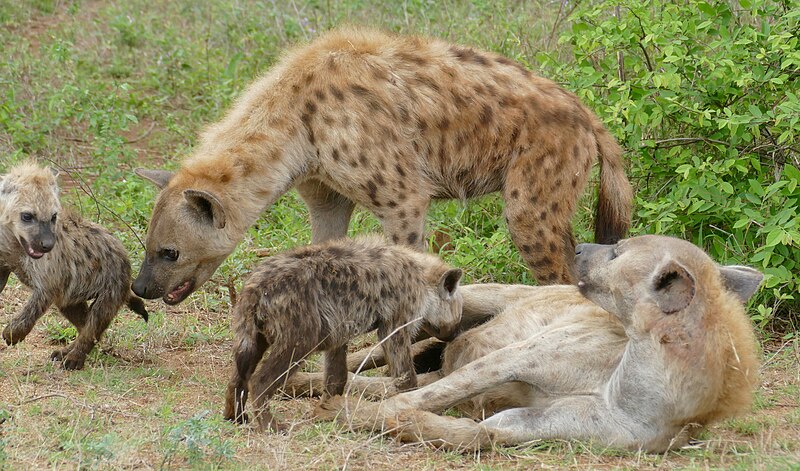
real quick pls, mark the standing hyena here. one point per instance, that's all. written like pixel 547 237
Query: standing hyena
pixel 321 296
pixel 387 122
pixel 65 260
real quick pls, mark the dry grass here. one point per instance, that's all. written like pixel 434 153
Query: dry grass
pixel 152 398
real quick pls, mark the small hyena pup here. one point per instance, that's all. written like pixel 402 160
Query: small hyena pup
pixel 319 297
pixel 65 260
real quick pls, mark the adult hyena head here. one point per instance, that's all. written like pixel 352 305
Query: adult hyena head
pixel 29 207
pixel 651 279
pixel 187 239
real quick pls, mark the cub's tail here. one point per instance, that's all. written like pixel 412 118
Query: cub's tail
pixel 136 305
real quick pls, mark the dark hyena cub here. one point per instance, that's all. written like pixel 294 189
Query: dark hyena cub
pixel 65 260
pixel 319 297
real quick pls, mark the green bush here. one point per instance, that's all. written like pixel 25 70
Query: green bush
pixel 704 97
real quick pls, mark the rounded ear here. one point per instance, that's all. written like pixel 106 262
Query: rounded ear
pixel 207 206
pixel 448 283
pixel 159 178
pixel 54 171
pixel 673 287
pixel 741 281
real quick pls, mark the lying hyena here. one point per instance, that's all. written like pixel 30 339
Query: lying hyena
pixel 387 122
pixel 65 260
pixel 321 296
pixel 653 343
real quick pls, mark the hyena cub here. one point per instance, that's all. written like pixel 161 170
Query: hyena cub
pixel 65 260
pixel 319 297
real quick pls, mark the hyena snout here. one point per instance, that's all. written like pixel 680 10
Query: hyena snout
pixel 41 242
pixel 145 286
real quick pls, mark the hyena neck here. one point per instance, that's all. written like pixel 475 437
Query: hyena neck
pixel 247 175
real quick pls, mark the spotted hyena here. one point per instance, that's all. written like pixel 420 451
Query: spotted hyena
pixel 388 122
pixel 319 297
pixel 65 260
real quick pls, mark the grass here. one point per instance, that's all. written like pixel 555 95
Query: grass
pixel 99 88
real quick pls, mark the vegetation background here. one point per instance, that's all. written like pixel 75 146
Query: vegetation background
pixel 703 95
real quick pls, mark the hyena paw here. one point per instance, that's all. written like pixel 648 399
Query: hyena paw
pixel 14 335
pixel 239 419
pixel 73 361
pixel 60 354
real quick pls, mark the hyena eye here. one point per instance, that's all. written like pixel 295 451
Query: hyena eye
pixel 168 254
pixel 26 217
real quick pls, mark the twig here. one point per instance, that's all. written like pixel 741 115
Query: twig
pixel 39 398
pixel 143 135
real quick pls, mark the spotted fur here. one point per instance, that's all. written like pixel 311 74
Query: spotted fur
pixel 387 122
pixel 317 298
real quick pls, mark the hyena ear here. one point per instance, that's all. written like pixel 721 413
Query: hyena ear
pixel 673 287
pixel 448 283
pixel 54 171
pixel 207 206
pixel 741 281
pixel 159 178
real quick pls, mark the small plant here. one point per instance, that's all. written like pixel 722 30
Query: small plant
pixel 198 441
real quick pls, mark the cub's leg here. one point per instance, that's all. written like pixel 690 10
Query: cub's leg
pixel 4 272
pixel 247 353
pixel 539 211
pixel 397 348
pixel 335 371
pixel 100 314
pixel 330 211
pixel 76 315
pixel 279 365
pixel 21 325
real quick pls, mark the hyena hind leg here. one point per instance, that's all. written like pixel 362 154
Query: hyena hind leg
pixel 76 314
pixel 4 273
pixel 246 357
pixel 97 321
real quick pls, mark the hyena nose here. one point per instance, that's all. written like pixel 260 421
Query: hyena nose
pixel 139 288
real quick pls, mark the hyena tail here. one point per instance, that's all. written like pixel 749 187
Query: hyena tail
pixel 615 196
pixel 136 305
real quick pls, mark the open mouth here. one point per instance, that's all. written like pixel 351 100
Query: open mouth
pixel 179 293
pixel 32 253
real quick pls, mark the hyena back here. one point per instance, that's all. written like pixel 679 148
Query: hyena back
pixel 389 123
pixel 65 260
pixel 319 297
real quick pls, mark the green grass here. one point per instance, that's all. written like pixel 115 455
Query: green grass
pixel 100 88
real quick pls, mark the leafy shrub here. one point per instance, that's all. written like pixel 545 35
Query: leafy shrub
pixel 704 96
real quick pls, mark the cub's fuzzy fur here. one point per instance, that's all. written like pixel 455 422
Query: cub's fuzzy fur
pixel 319 297
pixel 65 260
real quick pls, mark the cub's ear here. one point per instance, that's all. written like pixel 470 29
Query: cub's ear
pixel 207 207
pixel 448 283
pixel 741 281
pixel 673 287
pixel 159 178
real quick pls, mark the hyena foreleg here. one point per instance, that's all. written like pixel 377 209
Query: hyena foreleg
pixel 21 325
pixel 97 320
pixel 335 371
pixel 329 211
pixel 247 354
pixel 397 348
